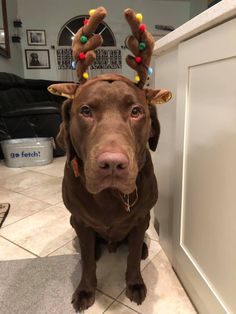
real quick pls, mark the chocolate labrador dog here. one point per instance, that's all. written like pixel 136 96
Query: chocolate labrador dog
pixel 109 185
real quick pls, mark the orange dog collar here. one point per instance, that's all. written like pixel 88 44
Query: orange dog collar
pixel 75 167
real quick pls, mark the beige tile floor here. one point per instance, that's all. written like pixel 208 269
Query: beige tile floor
pixel 38 226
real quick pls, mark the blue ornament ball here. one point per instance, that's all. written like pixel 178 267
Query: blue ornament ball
pixel 150 71
pixel 73 65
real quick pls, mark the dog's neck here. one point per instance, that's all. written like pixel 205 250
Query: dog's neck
pixel 127 201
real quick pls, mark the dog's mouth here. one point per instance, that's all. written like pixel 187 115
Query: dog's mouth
pixel 97 185
pixel 111 169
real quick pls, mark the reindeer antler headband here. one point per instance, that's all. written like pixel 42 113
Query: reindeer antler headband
pixel 141 44
pixel 85 42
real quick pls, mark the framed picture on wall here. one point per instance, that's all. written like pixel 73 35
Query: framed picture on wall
pixel 37 59
pixel 36 37
pixel 2 38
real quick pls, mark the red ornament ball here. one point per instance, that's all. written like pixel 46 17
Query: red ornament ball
pixel 142 27
pixel 86 21
pixel 82 56
pixel 138 59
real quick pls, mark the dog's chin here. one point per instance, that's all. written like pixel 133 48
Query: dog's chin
pixel 124 188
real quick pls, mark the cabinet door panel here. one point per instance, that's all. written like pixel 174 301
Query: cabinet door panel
pixel 205 207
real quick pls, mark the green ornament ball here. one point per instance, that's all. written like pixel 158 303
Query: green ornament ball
pixel 83 39
pixel 142 46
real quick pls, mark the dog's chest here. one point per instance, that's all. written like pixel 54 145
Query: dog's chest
pixel 112 222
pixel 115 231
pixel 106 213
pixel 115 226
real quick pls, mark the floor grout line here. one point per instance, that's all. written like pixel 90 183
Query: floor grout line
pixel 150 238
pixel 11 190
pixel 50 175
pixel 43 171
pixel 116 299
pixel 12 174
pixel 38 211
pixel 1 236
pixel 128 307
pixel 109 306
pixel 153 256
pixel 125 304
pixel 123 290
pixel 47 174
pixel 36 199
pixel 31 197
pixel 152 259
pixel 78 253
pixel 107 295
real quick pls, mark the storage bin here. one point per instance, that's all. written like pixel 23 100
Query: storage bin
pixel 27 152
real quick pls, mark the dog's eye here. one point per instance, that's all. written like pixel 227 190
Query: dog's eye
pixel 136 112
pixel 86 111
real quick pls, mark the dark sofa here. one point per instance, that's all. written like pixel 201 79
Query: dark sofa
pixel 27 109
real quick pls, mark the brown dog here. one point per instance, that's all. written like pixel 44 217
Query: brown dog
pixel 105 132
pixel 109 184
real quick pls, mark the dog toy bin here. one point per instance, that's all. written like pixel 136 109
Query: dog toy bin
pixel 27 152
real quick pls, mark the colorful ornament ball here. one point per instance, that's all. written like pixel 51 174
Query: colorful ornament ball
pixel 83 39
pixel 150 71
pixel 139 17
pixel 138 59
pixel 73 65
pixel 91 12
pixel 142 46
pixel 82 56
pixel 85 75
pixel 142 28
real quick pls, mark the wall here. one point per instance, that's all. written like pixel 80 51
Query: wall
pixel 197 7
pixel 14 64
pixel 51 15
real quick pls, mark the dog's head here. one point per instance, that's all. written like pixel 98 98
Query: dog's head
pixel 109 120
pixel 107 125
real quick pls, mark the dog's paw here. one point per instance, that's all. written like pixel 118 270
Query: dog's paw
pixel 136 292
pixel 82 300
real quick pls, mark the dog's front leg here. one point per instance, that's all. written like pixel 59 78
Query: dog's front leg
pixel 84 295
pixel 135 288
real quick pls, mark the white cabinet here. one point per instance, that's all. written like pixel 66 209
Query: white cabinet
pixel 201 203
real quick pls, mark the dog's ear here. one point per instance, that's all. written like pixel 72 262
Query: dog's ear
pixel 63 138
pixel 155 128
pixel 64 89
pixel 157 96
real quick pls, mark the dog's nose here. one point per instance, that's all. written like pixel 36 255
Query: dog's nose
pixel 112 162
